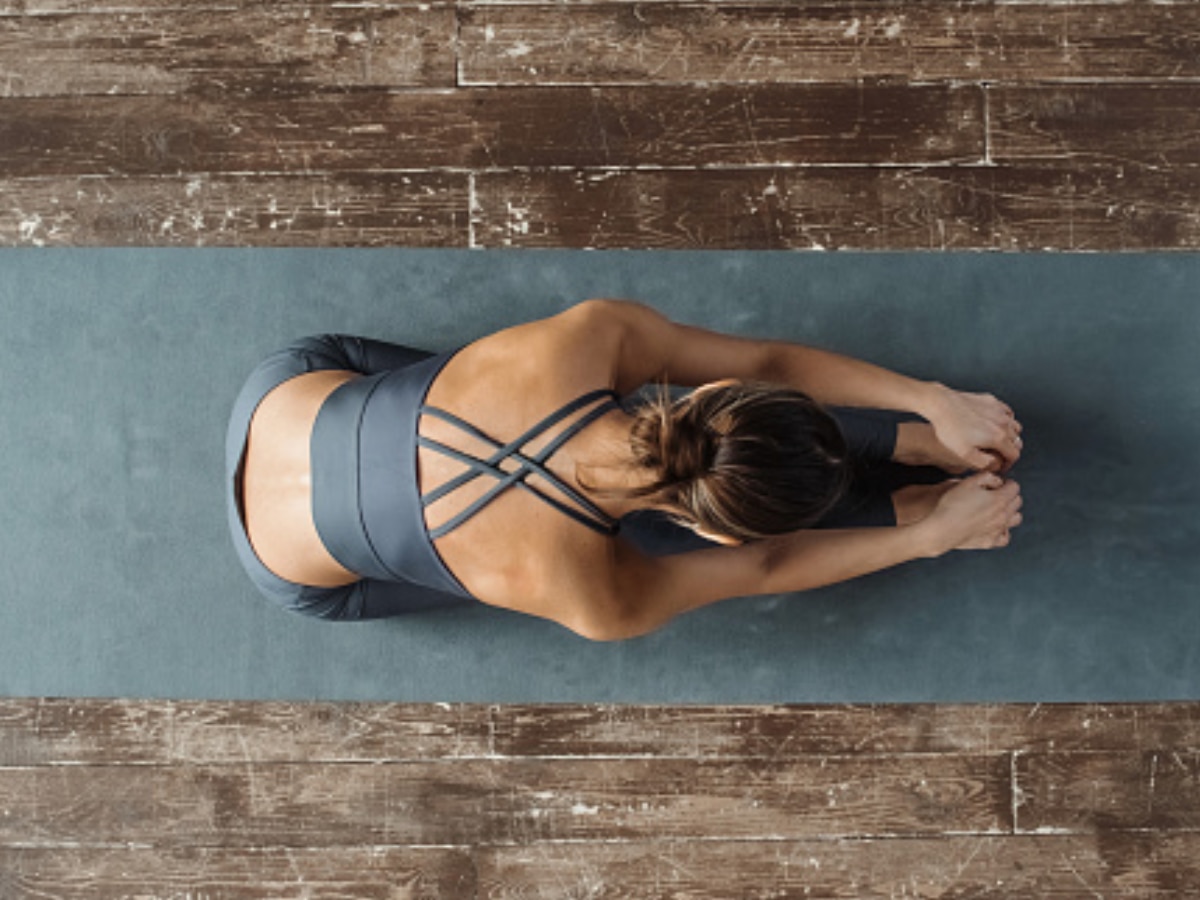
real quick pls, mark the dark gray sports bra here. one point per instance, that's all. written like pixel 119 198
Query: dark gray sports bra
pixel 367 504
pixel 585 512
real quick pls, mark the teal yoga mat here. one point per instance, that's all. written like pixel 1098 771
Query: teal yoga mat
pixel 119 366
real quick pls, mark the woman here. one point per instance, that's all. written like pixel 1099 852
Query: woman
pixel 369 480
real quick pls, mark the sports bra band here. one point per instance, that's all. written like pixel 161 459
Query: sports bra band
pixel 590 514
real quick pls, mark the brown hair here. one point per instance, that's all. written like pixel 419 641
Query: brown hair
pixel 740 458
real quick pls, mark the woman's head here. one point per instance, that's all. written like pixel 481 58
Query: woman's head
pixel 741 459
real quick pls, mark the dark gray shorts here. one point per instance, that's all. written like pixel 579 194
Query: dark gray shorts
pixel 370 597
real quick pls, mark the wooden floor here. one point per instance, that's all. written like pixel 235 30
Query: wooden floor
pixel 813 125
pixel 109 799
pixel 1022 124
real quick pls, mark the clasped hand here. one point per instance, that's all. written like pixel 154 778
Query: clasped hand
pixel 978 428
pixel 980 511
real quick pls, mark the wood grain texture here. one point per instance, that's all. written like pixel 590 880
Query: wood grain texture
pixel 418 209
pixel 1108 791
pixel 260 49
pixel 602 43
pixel 502 801
pixel 344 873
pixel 488 129
pixel 972 124
pixel 786 732
pixel 828 208
pixel 1097 209
pixel 231 801
pixel 937 208
pixel 138 7
pixel 1118 126
pixel 1003 868
pixel 47 732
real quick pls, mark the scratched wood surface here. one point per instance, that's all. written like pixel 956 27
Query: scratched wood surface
pixel 155 799
pixel 806 124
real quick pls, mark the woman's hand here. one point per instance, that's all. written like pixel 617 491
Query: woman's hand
pixel 979 429
pixel 976 514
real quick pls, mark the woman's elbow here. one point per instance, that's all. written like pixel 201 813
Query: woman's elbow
pixel 608 622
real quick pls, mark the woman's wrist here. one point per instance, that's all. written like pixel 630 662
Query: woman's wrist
pixel 927 539
pixel 927 399
pixel 914 444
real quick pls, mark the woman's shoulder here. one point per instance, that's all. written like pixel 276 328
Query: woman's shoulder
pixel 563 355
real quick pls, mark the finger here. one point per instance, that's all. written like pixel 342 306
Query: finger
pixel 1004 453
pixel 1016 520
pixel 1000 405
pixel 984 461
pixel 988 480
pixel 1006 492
pixel 1005 408
pixel 1013 444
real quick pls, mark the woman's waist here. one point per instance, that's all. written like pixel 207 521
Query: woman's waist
pixel 366 503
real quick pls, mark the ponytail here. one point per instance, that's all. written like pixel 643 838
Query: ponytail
pixel 741 459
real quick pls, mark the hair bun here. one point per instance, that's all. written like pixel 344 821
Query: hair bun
pixel 688 448
pixel 674 441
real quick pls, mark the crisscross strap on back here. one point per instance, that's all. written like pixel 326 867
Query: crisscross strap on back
pixel 588 514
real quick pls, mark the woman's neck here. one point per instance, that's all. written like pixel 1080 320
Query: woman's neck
pixel 610 466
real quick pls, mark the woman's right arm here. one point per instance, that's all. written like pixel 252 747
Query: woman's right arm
pixel 646 592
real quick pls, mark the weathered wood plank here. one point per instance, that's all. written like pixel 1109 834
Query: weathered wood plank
pixel 255 136
pixel 1145 866
pixel 489 128
pixel 502 802
pixel 788 732
pixel 827 207
pixel 1122 126
pixel 261 49
pixel 818 209
pixel 417 209
pixel 1108 791
pixel 138 7
pixel 344 873
pixel 841 208
pixel 164 732
pixel 1150 866
pixel 1100 209
pixel 598 43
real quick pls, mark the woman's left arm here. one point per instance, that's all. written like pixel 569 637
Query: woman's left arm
pixel 978 428
pixel 838 380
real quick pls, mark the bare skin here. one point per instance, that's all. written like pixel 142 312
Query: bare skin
pixel 914 502
pixel 522 554
pixel 277 482
pixel 917 445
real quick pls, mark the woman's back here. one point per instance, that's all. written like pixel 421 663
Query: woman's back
pixel 518 545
